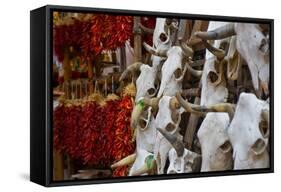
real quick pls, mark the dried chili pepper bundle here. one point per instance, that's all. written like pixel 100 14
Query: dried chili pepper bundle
pixel 123 145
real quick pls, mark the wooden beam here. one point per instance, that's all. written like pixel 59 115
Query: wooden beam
pixel 191 127
pixel 137 40
pixel 58 169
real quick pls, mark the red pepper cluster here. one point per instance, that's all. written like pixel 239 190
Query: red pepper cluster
pixel 123 145
pixel 148 22
pixel 96 135
pixel 110 31
pixel 102 32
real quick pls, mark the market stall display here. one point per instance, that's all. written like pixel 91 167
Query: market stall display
pixel 175 109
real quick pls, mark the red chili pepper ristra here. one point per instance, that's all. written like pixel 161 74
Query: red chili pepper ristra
pixel 96 135
pixel 102 32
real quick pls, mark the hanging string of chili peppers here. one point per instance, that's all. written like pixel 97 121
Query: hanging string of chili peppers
pixel 94 134
pixel 91 37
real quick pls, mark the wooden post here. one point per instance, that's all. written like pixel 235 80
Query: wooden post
pixel 191 127
pixel 66 65
pixel 137 40
pixel 90 75
pixel 123 63
pixel 58 174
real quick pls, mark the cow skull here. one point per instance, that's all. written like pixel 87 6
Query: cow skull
pixel 251 44
pixel 146 131
pixel 249 133
pixel 168 118
pixel 213 82
pixel 215 144
pixel 173 70
pixel 181 160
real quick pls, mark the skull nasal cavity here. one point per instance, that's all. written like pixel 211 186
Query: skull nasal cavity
pixel 178 73
pixel 170 127
pixel 213 76
pixel 151 91
pixel 163 37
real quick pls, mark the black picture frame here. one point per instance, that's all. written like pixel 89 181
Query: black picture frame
pixel 41 95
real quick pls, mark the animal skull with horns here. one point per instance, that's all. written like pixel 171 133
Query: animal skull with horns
pixel 252 44
pixel 181 160
pixel 168 118
pixel 248 131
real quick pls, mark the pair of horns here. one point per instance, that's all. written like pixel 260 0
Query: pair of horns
pixel 202 110
pixel 194 72
pixel 125 161
pixel 219 33
pixel 188 52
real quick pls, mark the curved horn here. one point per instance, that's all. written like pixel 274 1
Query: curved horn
pixel 220 107
pixel 219 53
pixel 233 66
pixel 130 69
pixel 174 104
pixel 196 73
pixel 219 33
pixel 146 29
pixel 187 106
pixel 125 161
pixel 153 51
pixel 202 110
pixel 221 71
pixel 174 141
pixel 188 51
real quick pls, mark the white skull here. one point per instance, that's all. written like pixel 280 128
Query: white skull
pixel 141 163
pixel 168 120
pixel 215 144
pixel 250 43
pixel 161 35
pixel 146 131
pixel 172 72
pixel 249 132
pixel 145 83
pixel 187 163
pixel 211 93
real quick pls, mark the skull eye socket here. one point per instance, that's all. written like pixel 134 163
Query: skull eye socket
pixel 178 73
pixel 142 123
pixel 151 91
pixel 258 147
pixel 264 47
pixel 213 77
pixel 224 45
pixel 163 37
pixel 263 126
pixel 170 127
pixel 226 147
